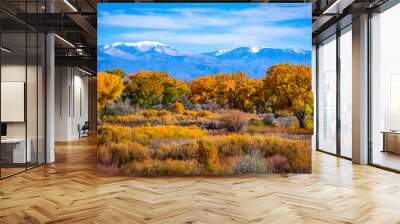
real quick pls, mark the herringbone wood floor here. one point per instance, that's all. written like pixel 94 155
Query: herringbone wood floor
pixel 70 191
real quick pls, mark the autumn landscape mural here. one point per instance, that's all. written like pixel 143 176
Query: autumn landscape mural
pixel 204 89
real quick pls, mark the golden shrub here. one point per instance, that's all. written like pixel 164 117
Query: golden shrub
pixel 163 143
pixel 297 152
pixel 121 118
pixel 142 134
pixel 177 108
pixel 150 113
pixel 169 167
pixel 129 152
pixel 208 156
pixel 205 113
pixel 183 151
pixel 190 114
pixel 278 130
pixel 164 113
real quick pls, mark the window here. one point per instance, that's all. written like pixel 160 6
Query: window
pixel 346 92
pixel 327 95
pixel 385 89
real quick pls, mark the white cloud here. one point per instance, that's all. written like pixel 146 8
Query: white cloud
pixel 263 24
pixel 189 18
pixel 243 36
pixel 275 13
pixel 140 21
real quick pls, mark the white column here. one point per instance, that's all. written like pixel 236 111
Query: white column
pixel 360 90
pixel 63 112
pixel 314 90
pixel 50 99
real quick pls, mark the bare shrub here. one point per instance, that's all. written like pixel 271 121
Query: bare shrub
pixel 119 108
pixel 286 122
pixel 268 119
pixel 277 164
pixel 233 120
pixel 256 122
pixel 109 169
pixel 104 155
pixel 228 164
pixel 251 163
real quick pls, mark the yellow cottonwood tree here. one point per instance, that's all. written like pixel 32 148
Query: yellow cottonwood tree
pixel 109 88
pixel 288 86
pixel 235 91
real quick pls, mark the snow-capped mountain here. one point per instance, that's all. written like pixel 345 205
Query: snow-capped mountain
pixel 150 55
pixel 142 46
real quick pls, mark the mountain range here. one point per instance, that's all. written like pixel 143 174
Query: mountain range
pixel 150 55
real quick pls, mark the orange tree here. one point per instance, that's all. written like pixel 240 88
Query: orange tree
pixel 235 91
pixel 109 88
pixel 288 86
pixel 203 89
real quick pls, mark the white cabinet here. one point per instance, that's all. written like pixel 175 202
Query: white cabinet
pixel 19 155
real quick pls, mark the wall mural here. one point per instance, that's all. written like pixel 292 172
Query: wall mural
pixel 189 89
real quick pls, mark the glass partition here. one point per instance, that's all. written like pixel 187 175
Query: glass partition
pixel 14 153
pixel 346 92
pixel 327 95
pixel 385 89
pixel 22 101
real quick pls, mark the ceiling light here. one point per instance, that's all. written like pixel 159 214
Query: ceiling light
pixel 70 5
pixel 64 40
pixel 337 7
pixel 5 49
pixel 84 71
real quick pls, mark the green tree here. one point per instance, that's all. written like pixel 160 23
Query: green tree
pixel 148 88
pixel 117 71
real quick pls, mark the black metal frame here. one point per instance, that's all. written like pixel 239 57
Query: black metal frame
pixel 37 164
pixel 338 97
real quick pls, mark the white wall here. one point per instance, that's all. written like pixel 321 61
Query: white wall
pixel 71 102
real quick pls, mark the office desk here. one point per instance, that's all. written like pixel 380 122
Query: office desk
pixel 13 150
pixel 391 141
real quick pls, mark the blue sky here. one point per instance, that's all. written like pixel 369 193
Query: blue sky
pixel 207 27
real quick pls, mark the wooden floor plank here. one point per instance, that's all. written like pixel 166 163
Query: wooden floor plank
pixel 69 191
